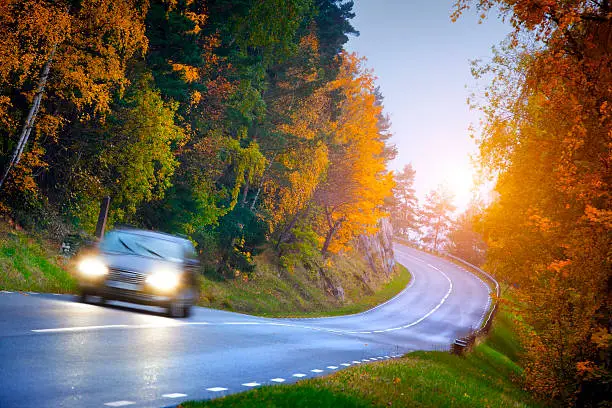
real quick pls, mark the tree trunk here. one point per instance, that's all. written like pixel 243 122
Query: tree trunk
pixel 333 227
pixel 436 235
pixel 260 185
pixel 289 227
pixel 31 119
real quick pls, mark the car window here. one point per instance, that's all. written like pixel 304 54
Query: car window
pixel 128 243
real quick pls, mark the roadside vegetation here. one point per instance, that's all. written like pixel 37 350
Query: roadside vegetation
pixel 30 262
pixel 489 376
pixel 274 292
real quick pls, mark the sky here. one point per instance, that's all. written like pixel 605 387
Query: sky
pixel 422 62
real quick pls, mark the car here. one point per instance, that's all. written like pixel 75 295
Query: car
pixel 144 267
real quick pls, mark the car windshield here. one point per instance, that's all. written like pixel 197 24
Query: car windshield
pixel 128 243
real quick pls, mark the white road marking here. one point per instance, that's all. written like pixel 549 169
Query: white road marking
pixel 56 294
pixel 216 389
pixel 316 370
pixel 299 375
pixel 82 328
pixel 33 293
pixel 174 395
pixel 345 364
pixel 251 384
pixel 119 403
pixel 332 367
pixel 240 323
pixel 278 380
pixel 356 362
pixel 6 291
pixel 365 360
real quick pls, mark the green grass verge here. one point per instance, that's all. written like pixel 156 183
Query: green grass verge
pixel 27 264
pixel 275 294
pixel 487 377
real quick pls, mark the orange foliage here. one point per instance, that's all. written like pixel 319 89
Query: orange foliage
pixel 549 143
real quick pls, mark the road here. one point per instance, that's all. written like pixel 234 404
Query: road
pixel 56 352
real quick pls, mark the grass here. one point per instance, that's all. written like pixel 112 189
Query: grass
pixel 487 377
pixel 28 264
pixel 276 293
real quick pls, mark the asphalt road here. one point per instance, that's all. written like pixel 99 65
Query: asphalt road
pixel 56 352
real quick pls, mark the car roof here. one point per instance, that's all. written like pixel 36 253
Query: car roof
pixel 154 234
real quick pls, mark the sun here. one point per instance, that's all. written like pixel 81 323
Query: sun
pixel 460 182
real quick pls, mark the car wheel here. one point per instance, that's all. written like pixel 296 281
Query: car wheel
pixel 187 311
pixel 176 309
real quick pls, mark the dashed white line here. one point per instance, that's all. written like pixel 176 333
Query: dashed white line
pixel 119 403
pixel 174 395
pixel 251 384
pixel 216 389
pixel 316 370
pixel 332 367
pixel 345 364
pixel 356 362
pixel 6 291
pixel 299 375
pixel 278 380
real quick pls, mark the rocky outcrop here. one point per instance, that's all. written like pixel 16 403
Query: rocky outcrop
pixel 377 249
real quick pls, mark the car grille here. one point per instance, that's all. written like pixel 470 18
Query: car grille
pixel 122 275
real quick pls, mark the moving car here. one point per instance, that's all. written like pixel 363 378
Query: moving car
pixel 145 267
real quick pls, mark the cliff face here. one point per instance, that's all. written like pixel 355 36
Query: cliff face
pixel 377 249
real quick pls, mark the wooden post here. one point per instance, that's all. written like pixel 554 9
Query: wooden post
pixel 102 217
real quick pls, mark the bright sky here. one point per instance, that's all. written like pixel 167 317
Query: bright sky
pixel 422 60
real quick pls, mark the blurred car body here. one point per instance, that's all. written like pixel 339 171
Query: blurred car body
pixel 145 267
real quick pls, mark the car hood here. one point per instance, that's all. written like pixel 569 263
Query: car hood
pixel 136 263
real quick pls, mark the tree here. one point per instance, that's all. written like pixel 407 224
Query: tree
pixel 404 203
pixel 546 139
pixel 81 52
pixel 435 216
pixel 357 181
pixel 465 240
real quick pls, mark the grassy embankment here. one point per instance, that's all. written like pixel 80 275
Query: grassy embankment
pixel 487 377
pixel 31 263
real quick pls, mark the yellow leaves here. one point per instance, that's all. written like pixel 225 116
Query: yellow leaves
pixel 189 73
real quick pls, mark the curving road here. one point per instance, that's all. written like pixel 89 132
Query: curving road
pixel 55 352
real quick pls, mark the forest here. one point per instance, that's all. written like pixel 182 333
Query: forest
pixel 216 120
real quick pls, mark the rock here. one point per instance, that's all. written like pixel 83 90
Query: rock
pixel 378 248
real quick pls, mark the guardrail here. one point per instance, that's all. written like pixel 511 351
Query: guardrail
pixel 461 344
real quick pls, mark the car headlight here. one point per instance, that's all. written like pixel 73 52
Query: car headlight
pixel 92 267
pixel 163 279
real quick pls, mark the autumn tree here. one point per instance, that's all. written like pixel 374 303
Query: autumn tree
pixel 67 53
pixel 465 238
pixel 357 182
pixel 546 138
pixel 403 204
pixel 436 216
